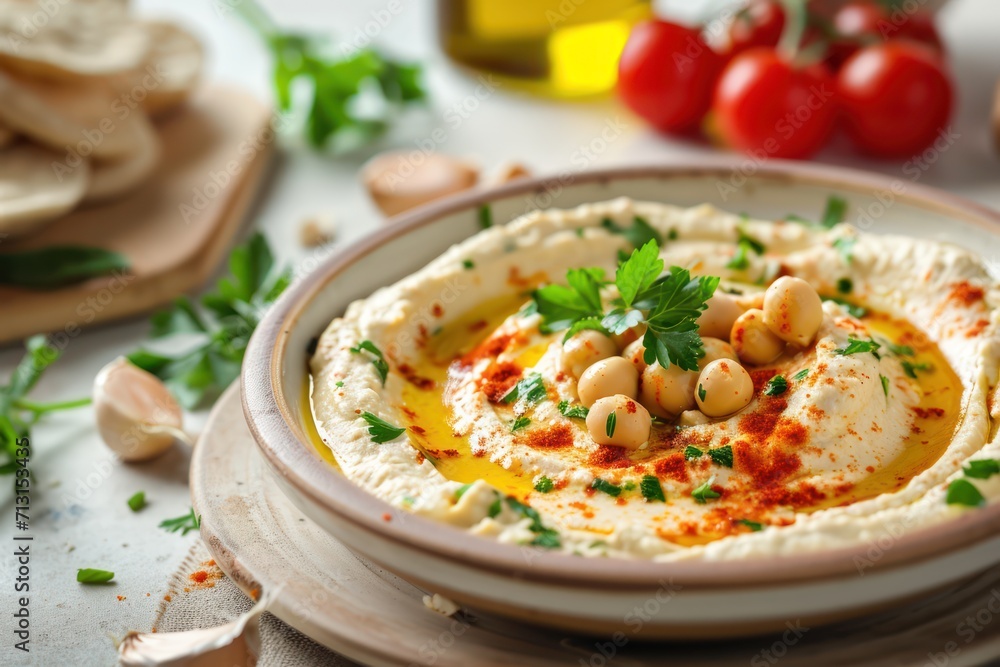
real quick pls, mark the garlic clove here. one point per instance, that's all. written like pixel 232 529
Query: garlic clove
pixel 136 415
pixel 397 182
pixel 507 172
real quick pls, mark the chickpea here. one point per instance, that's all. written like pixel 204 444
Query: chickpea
pixel 586 348
pixel 608 377
pixel 716 349
pixel 753 340
pixel 793 310
pixel 635 353
pixel 630 427
pixel 724 387
pixel 623 340
pixel 716 321
pixel 752 300
pixel 693 418
pixel 667 391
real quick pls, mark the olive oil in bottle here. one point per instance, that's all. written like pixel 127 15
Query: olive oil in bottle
pixel 559 48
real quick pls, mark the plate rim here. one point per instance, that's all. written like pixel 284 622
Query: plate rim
pixel 287 452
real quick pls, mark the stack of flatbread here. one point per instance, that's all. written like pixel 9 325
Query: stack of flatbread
pixel 80 81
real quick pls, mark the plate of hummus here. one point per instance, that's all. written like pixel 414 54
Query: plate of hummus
pixel 758 397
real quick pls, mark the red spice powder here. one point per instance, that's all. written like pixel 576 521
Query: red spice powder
pixel 606 456
pixel 550 437
pixel 488 349
pixel 478 325
pixel 411 376
pixel 760 378
pixel 120 597
pixel 419 430
pixel 437 310
pixel 630 407
pixel 167 598
pixel 387 517
pixel 966 293
pixel 925 413
pixel 976 328
pixel 498 379
pixel 766 466
pixel 198 577
pixel 420 458
pixel 673 466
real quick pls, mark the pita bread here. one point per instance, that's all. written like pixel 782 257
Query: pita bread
pixel 112 179
pixel 69 40
pixel 81 121
pixel 177 56
pixel 32 193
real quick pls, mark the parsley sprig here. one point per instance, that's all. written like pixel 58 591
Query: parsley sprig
pixel 183 524
pixel 219 331
pixel 380 430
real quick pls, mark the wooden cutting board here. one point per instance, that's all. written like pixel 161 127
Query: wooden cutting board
pixel 175 229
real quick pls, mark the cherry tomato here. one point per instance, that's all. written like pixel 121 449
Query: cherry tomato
pixel 896 98
pixel 666 75
pixel 858 24
pixel 758 24
pixel 766 106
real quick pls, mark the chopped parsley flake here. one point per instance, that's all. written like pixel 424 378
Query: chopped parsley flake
pixel 495 508
pixel 378 361
pixel 836 208
pixel 485 216
pixel 704 493
pixel 801 375
pixel 752 525
pixel 137 501
pixel 701 392
pixel 911 368
pixel 852 309
pixel 776 386
pixel 610 424
pixel 519 423
pixel 885 384
pixel 544 485
pixel 182 524
pixel 530 389
pixel 544 537
pixel 651 489
pixel 746 244
pixel 460 491
pixel 380 430
pixel 722 456
pixel 638 235
pixel 845 286
pixel 90 576
pixel 338 383
pixel 964 492
pixel 900 350
pixel 857 346
pixel 692 452
pixel 982 469
pixel 468 264
pixel 845 246
pixel 607 487
pixel 573 411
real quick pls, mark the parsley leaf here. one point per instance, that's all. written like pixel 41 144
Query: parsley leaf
pixel 651 489
pixel 639 272
pixel 885 384
pixel 519 423
pixel 900 350
pixel 701 392
pixel 836 207
pixel 545 537
pixel 982 469
pixel 704 493
pixel 485 216
pixel 671 326
pixel 544 485
pixel 745 245
pixel 573 411
pixel 561 306
pixel 639 234
pixel 776 386
pixel 530 389
pixel 460 491
pixel 468 264
pixel 495 508
pixel 845 246
pixel 801 375
pixel 90 576
pixel 352 97
pixel 379 362
pixel 845 285
pixel 692 452
pixel 911 368
pixel 752 525
pixel 221 330
pixel 610 424
pixel 137 501
pixel 722 456
pixel 183 524
pixel 56 266
pixel 606 486
pixel 857 346
pixel 852 309
pixel 964 492
pixel 380 430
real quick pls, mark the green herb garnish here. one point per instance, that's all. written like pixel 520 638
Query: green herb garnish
pixel 221 329
pixel 610 424
pixel 606 487
pixel 776 386
pixel 982 469
pixel 911 368
pixel 964 492
pixel 530 389
pixel 845 246
pixel 722 456
pixel 900 350
pixel 183 524
pixel 885 384
pixel 485 216
pixel 701 392
pixel 704 493
pixel 468 264
pixel 352 95
pixel 460 491
pixel 573 411
pixel 858 346
pixel 836 207
pixel 378 361
pixel 845 285
pixel 852 309
pixel 90 576
pixel 57 266
pixel 651 489
pixel 544 485
pixel 752 525
pixel 137 501
pixel 545 537
pixel 495 508
pixel 519 423
pixel 380 430
pixel 801 375
pixel 745 245
pixel 692 452
pixel 638 235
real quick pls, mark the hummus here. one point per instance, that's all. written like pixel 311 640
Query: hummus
pixel 477 422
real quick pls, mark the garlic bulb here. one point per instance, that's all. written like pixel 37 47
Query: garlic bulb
pixel 136 415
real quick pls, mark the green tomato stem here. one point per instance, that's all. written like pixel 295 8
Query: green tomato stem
pixel 796 16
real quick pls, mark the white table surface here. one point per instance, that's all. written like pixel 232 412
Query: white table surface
pixel 79 515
